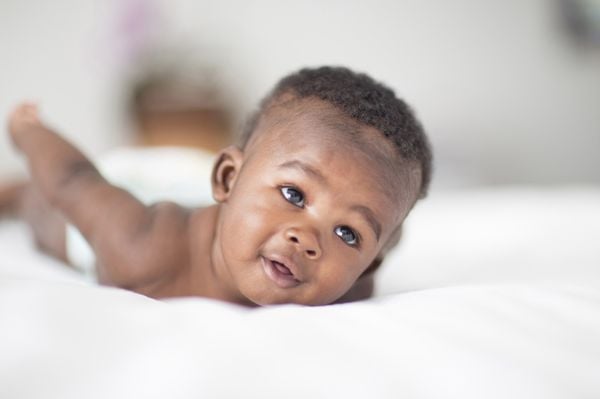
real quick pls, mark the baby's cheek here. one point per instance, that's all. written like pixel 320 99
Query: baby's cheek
pixel 334 285
pixel 248 226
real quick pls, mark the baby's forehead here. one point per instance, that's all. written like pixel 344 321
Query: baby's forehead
pixel 317 122
pixel 290 110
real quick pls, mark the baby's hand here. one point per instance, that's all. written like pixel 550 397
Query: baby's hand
pixel 22 118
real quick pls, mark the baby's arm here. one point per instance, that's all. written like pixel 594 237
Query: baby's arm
pixel 133 243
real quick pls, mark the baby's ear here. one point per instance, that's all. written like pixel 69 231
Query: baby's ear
pixel 225 172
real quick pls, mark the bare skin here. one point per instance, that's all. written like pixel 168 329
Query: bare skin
pixel 285 229
pixel 10 194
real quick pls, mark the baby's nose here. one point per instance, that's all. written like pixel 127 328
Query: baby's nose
pixel 305 241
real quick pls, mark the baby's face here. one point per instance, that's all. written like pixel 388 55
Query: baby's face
pixel 308 212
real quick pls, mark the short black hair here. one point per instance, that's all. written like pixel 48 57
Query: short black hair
pixel 364 100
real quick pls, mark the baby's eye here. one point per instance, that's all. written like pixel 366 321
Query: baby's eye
pixel 293 196
pixel 347 235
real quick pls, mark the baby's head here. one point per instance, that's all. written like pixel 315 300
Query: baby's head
pixel 317 190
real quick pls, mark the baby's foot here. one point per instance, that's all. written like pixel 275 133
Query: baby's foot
pixel 22 118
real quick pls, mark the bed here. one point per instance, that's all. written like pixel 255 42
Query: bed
pixel 493 293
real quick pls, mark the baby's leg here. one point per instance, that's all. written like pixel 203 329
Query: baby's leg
pixel 133 244
pixel 10 194
pixel 47 224
pixel 23 200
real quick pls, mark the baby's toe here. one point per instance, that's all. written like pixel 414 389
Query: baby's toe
pixel 25 113
pixel 24 116
pixel 28 111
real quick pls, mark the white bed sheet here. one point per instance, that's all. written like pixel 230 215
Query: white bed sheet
pixel 454 319
pixel 504 234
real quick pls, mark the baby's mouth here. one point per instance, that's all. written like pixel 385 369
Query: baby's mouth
pixel 282 268
pixel 279 273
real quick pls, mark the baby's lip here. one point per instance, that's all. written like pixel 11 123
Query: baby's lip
pixel 281 270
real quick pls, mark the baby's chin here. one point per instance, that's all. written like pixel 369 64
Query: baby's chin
pixel 277 296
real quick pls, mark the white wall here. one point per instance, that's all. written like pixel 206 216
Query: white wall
pixel 48 55
pixel 504 95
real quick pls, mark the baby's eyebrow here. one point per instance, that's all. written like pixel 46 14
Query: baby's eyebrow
pixel 369 215
pixel 306 168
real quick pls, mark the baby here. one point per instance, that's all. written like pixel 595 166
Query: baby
pixel 306 206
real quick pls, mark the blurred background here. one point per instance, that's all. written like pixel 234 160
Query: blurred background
pixel 509 91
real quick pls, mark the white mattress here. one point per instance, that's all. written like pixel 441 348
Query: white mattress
pixel 493 294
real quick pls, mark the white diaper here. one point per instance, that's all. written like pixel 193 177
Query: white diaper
pixel 151 174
